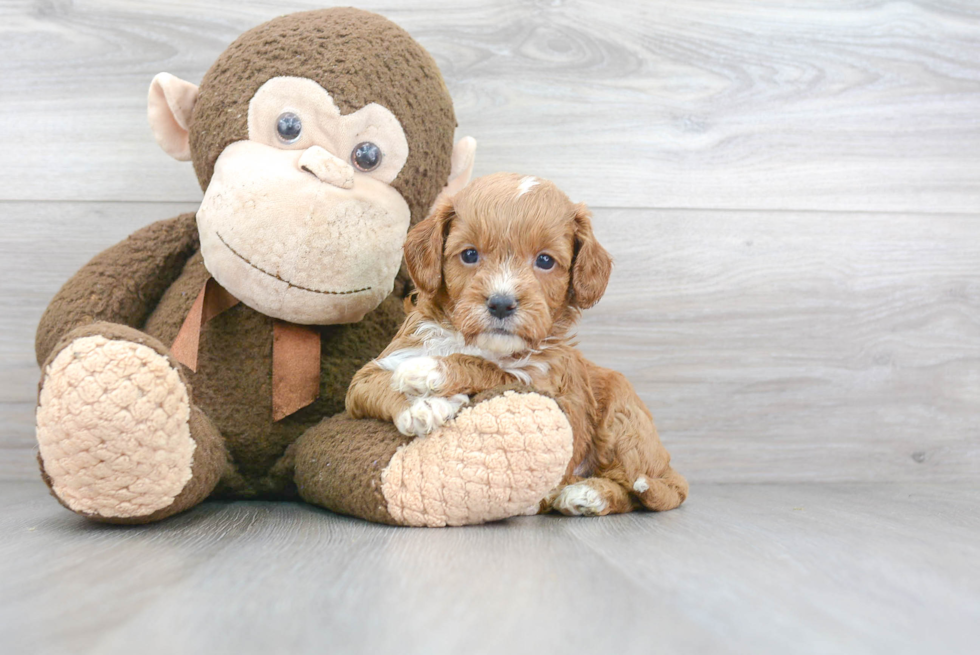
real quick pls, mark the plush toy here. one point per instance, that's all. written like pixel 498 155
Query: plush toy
pixel 209 354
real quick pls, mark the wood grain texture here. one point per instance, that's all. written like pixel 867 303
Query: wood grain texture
pixel 780 346
pixel 738 569
pixel 844 105
pixel 769 346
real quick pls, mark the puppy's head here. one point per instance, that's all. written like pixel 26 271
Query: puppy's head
pixel 509 260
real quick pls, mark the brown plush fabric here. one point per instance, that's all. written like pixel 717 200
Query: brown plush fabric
pixel 210 456
pixel 338 465
pixel 122 284
pixel 359 58
pixel 233 381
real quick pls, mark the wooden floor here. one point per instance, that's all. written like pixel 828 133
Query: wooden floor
pixel 791 568
pixel 791 191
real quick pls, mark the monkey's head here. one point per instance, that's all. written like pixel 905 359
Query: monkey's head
pixel 318 138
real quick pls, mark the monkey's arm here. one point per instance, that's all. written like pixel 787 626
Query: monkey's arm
pixel 371 395
pixel 122 284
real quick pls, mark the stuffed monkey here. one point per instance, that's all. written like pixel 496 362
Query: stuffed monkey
pixel 209 354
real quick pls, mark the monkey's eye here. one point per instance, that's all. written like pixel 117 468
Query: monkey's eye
pixel 545 262
pixel 288 126
pixel 469 256
pixel 366 156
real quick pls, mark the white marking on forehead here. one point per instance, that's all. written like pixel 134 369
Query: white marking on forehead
pixel 526 184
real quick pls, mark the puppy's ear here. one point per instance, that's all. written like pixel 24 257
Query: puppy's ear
pixel 423 247
pixel 592 264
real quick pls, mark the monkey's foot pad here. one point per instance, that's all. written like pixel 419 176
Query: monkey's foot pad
pixel 113 428
pixel 495 460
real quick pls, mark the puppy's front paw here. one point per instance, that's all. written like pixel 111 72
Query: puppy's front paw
pixel 580 499
pixel 426 414
pixel 418 376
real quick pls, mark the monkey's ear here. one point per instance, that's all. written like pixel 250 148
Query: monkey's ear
pixel 424 246
pixel 592 264
pixel 464 155
pixel 169 106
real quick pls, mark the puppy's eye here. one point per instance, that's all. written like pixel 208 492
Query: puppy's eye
pixel 288 127
pixel 366 156
pixel 469 256
pixel 544 262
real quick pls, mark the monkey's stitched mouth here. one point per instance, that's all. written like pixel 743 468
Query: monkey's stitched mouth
pixel 286 282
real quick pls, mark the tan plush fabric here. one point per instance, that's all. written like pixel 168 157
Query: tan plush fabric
pixel 170 105
pixel 306 98
pixel 495 460
pixel 113 428
pixel 293 247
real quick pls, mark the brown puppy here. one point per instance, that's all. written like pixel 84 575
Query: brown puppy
pixel 503 270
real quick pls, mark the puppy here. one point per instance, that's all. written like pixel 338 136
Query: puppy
pixel 503 270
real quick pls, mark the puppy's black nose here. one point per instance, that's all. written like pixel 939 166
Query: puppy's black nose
pixel 502 306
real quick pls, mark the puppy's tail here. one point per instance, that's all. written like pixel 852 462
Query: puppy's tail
pixel 662 493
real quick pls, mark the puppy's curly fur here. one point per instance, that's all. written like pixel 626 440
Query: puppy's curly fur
pixel 503 271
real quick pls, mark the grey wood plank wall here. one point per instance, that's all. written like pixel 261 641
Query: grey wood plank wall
pixel 791 191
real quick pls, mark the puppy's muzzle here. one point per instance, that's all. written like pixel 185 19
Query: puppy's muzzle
pixel 501 306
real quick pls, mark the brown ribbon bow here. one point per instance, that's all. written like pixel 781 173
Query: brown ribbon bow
pixel 295 350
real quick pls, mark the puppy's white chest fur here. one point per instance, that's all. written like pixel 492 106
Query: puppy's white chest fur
pixel 438 341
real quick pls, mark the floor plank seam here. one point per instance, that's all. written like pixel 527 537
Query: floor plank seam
pixel 714 209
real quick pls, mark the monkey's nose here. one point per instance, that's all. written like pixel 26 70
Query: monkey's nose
pixel 327 167
pixel 502 306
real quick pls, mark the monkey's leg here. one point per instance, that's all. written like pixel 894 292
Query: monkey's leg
pixel 496 459
pixel 119 438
